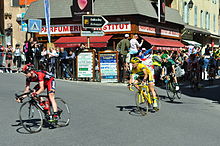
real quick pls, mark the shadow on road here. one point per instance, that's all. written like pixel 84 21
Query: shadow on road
pixel 208 90
pixel 132 110
pixel 21 130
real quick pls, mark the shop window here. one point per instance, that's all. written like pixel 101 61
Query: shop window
pixel 214 23
pixel 185 13
pixel 201 19
pixel 15 3
pixel 195 16
pixel 206 20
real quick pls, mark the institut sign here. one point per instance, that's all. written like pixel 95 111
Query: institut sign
pixel 76 28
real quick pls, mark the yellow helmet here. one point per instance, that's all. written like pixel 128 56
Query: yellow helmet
pixel 135 60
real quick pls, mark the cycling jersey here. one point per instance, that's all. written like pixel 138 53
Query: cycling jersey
pixel 139 70
pixel 168 65
pixel 49 82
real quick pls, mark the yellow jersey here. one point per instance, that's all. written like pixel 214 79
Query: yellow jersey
pixel 139 70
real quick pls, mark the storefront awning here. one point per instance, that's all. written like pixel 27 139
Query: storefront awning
pixel 194 43
pixel 164 44
pixel 70 42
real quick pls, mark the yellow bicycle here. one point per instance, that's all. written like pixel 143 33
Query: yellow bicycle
pixel 144 99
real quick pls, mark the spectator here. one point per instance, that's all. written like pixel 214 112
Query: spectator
pixel 135 45
pixel 205 68
pixel 36 55
pixel 157 66
pixel 144 54
pixel 80 49
pixel 28 51
pixel 17 56
pixel 63 62
pixel 43 64
pixel 1 55
pixel 70 62
pixel 123 47
pixel 8 58
pixel 52 60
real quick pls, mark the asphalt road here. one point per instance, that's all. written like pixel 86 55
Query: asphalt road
pixel 103 115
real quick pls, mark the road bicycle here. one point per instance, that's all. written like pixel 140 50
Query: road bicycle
pixel 144 99
pixel 33 114
pixel 172 93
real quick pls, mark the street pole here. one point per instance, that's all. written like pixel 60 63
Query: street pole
pixel 88 41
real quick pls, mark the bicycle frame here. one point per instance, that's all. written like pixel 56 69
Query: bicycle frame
pixel 144 93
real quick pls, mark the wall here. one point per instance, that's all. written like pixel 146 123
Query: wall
pixel 17 35
pixel 206 6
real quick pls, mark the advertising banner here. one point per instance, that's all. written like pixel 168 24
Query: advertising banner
pixel 81 7
pixel 85 64
pixel 108 66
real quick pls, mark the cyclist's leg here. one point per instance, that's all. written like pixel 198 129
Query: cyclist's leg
pixel 51 93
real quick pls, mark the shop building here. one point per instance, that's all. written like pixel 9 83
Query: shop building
pixel 130 16
pixel 202 20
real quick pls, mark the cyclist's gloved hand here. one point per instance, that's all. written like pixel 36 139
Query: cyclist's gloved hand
pixel 33 94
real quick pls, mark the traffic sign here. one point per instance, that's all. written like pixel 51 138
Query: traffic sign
pixel 34 25
pixel 93 21
pixel 92 33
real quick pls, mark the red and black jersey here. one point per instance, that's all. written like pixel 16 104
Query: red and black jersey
pixel 40 76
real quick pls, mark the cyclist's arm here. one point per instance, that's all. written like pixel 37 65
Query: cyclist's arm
pixel 41 84
pixel 131 79
pixel 163 71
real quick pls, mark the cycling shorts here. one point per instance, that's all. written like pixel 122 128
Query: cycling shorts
pixel 141 78
pixel 50 85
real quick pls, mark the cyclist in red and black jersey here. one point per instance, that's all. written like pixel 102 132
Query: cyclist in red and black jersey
pixel 45 81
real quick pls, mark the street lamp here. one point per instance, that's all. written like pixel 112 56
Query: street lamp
pixel 190 4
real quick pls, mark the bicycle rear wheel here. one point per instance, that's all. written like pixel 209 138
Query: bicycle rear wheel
pixel 179 94
pixel 170 89
pixel 30 117
pixel 63 112
pixel 141 103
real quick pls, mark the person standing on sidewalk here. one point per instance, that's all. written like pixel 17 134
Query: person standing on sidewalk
pixel 8 58
pixel 1 55
pixel 17 56
pixel 123 47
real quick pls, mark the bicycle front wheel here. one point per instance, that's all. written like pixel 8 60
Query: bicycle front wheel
pixel 30 117
pixel 63 112
pixel 141 103
pixel 170 89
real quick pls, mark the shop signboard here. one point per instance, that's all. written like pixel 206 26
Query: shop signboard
pixel 147 29
pixel 93 21
pixel 77 28
pixel 85 64
pixel 108 66
pixel 92 33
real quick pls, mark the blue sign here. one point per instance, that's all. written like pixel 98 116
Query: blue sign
pixel 34 25
pixel 108 67
pixel 24 26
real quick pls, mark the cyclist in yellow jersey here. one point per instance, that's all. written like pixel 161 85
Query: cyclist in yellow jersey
pixel 144 75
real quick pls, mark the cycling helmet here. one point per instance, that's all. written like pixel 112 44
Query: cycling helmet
pixel 135 60
pixel 164 56
pixel 27 68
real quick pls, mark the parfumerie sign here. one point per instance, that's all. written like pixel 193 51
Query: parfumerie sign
pixel 76 28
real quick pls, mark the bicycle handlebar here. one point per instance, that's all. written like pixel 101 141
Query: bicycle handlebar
pixel 139 84
pixel 18 96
